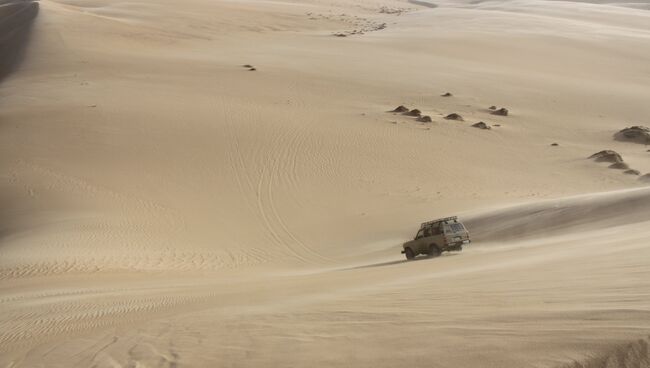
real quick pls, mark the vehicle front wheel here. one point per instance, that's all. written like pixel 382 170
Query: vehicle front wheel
pixel 409 254
pixel 434 251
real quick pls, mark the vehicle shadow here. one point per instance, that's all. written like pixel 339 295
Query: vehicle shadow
pixel 391 263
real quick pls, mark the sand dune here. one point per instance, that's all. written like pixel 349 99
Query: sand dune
pixel 163 206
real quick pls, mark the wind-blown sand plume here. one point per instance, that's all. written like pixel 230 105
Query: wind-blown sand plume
pixel 162 206
pixel 553 217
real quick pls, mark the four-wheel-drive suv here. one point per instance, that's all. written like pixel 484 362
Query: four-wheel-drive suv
pixel 437 236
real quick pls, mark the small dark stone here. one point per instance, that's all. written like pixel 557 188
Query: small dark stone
pixel 492 107
pixel 401 108
pixel 247 66
pixel 496 125
pixel 447 94
pixel 501 112
pixel 425 119
pixel 632 172
pixel 554 144
pixel 454 116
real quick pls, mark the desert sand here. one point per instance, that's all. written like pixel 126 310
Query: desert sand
pixel 164 206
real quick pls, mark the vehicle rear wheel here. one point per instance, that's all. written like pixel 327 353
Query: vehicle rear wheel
pixel 434 251
pixel 409 254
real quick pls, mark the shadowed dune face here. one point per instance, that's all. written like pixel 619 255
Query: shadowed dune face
pixel 16 17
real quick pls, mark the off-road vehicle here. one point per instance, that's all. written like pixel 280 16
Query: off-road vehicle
pixel 437 236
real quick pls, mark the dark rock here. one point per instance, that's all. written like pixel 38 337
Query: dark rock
pixel 481 125
pixel 638 134
pixel 425 119
pixel 446 94
pixel 414 112
pixel 401 108
pixel 619 166
pixel 554 144
pixel 607 156
pixel 501 112
pixel 454 116
pixel 247 66
pixel 632 172
pixel 492 107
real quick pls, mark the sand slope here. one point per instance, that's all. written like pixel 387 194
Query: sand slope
pixel 161 205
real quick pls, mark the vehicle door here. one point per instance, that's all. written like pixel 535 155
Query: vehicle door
pixel 420 242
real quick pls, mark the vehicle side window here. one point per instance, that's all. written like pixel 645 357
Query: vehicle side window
pixel 437 230
pixel 420 234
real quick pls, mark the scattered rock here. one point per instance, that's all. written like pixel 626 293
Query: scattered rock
pixel 481 125
pixel 645 178
pixel 554 144
pixel 252 69
pixel 619 166
pixel 454 116
pixel 496 125
pixel 247 66
pixel 401 108
pixel 501 112
pixel 425 119
pixel 387 10
pixel 414 112
pixel 632 172
pixel 446 94
pixel 492 107
pixel 607 156
pixel 340 35
pixel 638 134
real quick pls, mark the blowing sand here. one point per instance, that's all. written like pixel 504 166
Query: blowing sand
pixel 163 206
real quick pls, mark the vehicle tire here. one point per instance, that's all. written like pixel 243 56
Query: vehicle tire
pixel 409 254
pixel 434 251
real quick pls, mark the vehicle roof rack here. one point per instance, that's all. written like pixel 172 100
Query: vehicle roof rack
pixel 444 219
